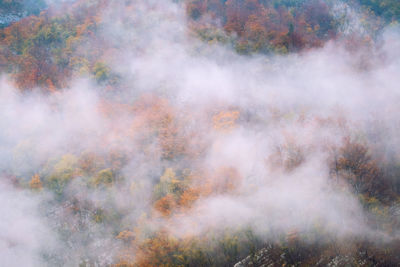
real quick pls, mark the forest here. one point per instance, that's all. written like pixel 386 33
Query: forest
pixel 199 133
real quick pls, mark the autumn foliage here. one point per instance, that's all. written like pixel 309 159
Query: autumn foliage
pixel 50 48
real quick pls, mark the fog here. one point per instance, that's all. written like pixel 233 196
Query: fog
pixel 294 112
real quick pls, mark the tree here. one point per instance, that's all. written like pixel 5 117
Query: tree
pixel 357 167
pixel 62 173
pixel 103 177
pixel 35 182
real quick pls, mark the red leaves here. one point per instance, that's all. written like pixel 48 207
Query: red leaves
pixel 263 27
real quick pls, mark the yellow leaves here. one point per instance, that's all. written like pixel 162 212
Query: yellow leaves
pixel 35 182
pixel 101 71
pixel 174 193
pixel 104 177
pixel 81 64
pixel 62 173
pixel 158 250
pixel 225 120
pixel 168 175
pixel 98 217
pixel 67 163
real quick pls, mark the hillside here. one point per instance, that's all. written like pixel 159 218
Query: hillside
pixel 200 133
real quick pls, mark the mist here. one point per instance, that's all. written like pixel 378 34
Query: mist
pixel 253 134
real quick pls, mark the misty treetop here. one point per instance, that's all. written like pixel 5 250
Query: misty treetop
pixel 52 46
pixel 199 133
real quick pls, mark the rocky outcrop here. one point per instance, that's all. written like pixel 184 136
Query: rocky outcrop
pixel 265 257
pixel 272 256
pixel 7 19
pixel 13 11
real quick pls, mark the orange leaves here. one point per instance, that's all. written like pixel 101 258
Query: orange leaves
pixel 165 205
pixel 154 111
pixel 225 120
pixel 188 197
pixel 35 182
pixel 176 196
pixel 171 144
pixel 263 27
pixel 158 251
pixel 38 49
pixel 156 117
pixel 126 235
pixel 254 28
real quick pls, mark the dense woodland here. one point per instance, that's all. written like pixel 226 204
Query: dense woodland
pixel 44 50
pixel 127 219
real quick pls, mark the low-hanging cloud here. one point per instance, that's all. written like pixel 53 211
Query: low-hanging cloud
pixel 282 102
